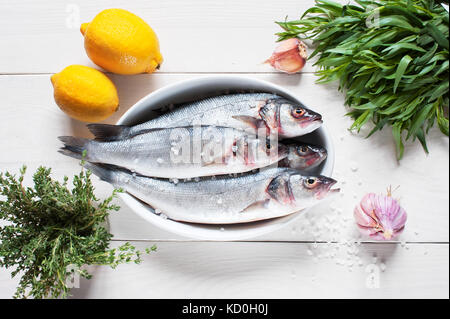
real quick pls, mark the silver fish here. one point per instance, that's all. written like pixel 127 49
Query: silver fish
pixel 303 156
pixel 251 197
pixel 185 152
pixel 244 111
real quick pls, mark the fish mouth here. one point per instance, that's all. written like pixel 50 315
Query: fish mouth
pixel 317 157
pixel 330 185
pixel 314 120
pixel 313 159
pixel 314 117
pixel 327 189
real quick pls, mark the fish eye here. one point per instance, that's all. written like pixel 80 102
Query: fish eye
pixel 311 182
pixel 303 150
pixel 299 112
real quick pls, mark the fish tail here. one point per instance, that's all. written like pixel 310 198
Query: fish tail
pixel 108 132
pixel 74 146
pixel 104 172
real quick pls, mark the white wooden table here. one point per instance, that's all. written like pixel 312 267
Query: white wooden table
pixel 318 255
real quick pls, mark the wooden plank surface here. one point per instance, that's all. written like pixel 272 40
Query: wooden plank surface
pixel 198 38
pixel 33 123
pixel 195 36
pixel 271 270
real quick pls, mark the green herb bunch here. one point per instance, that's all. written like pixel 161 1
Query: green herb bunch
pixel 391 58
pixel 51 232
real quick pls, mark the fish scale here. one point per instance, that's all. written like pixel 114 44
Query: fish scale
pixel 210 111
pixel 156 154
pixel 223 200
pixel 276 114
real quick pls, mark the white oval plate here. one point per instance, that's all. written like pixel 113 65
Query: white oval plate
pixel 190 90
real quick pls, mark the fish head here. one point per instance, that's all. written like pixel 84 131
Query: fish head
pixel 305 156
pixel 288 118
pixel 292 188
pixel 311 187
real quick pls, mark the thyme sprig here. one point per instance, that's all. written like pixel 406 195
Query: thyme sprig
pixel 52 231
pixel 391 58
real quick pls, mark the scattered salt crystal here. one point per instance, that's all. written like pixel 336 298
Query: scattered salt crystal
pixel 222 229
pixel 354 166
pixel 219 201
pixel 197 179
pixel 383 266
pixel 309 252
pixel 157 211
pixel 175 181
pixel 160 161
pixel 293 274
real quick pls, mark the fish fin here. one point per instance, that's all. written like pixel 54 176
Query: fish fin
pixel 259 204
pixel 73 146
pixel 109 132
pixel 252 121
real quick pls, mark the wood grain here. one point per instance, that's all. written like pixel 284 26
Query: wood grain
pixel 195 36
pixel 270 270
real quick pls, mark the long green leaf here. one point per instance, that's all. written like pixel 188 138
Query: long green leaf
pixel 397 133
pixel 402 66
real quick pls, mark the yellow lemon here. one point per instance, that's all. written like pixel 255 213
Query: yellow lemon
pixel 121 42
pixel 84 93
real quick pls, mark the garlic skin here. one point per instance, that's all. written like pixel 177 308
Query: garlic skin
pixel 289 56
pixel 380 217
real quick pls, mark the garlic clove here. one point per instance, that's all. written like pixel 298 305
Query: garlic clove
pixel 289 56
pixel 380 217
